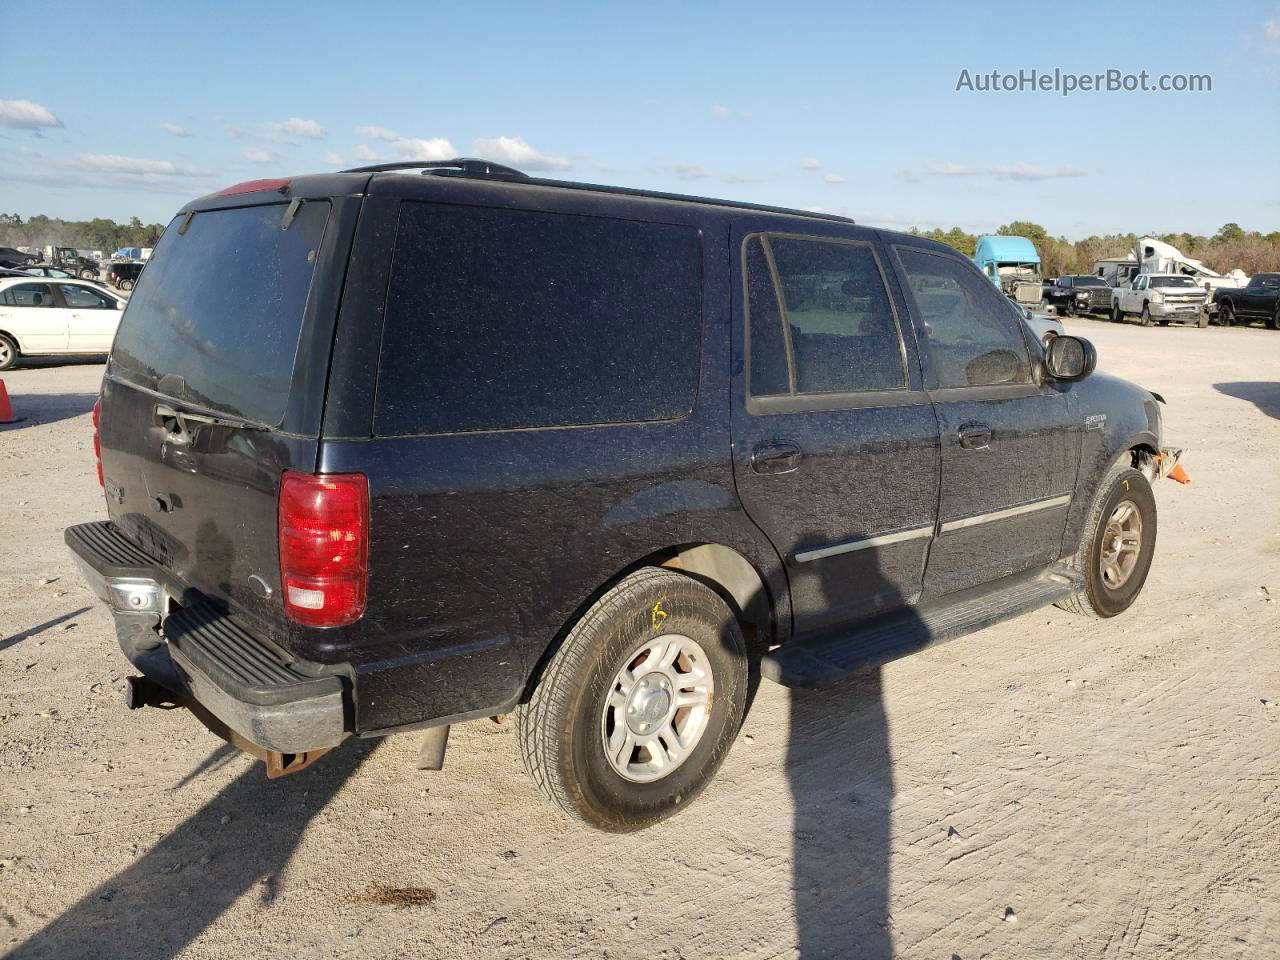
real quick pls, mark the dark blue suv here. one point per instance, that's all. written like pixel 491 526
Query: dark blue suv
pixel 391 449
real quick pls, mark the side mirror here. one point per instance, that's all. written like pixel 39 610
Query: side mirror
pixel 1068 358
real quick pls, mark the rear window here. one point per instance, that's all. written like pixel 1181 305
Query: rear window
pixel 221 306
pixel 502 319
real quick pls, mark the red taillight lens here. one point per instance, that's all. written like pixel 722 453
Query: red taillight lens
pixel 97 443
pixel 324 547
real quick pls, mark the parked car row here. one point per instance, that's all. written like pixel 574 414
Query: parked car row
pixel 46 318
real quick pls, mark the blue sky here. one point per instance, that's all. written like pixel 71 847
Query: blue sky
pixel 820 105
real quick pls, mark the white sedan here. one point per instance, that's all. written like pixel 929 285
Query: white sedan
pixel 47 317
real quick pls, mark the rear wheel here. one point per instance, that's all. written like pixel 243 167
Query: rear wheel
pixel 1117 315
pixel 1226 314
pixel 639 706
pixel 1273 322
pixel 8 352
pixel 87 274
pixel 1119 542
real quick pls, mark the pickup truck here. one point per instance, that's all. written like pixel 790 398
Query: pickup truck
pixel 1077 294
pixel 1161 296
pixel 1258 300
pixel 68 259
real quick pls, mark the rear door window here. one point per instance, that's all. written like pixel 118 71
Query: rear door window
pixel 28 295
pixel 221 305
pixel 502 319
pixel 827 326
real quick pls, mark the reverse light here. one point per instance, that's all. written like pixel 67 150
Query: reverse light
pixel 97 441
pixel 324 547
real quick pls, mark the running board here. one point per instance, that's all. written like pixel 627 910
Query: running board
pixel 822 661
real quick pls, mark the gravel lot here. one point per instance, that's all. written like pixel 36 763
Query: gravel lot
pixel 1052 787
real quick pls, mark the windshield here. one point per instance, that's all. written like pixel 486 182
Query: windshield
pixel 1089 282
pixel 221 305
pixel 1174 282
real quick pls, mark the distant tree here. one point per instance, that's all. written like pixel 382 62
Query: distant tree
pixel 1230 231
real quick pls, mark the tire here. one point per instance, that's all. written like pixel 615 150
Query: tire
pixel 1273 322
pixel 1101 595
pixel 87 274
pixel 1226 314
pixel 1145 316
pixel 1203 320
pixel 126 285
pixel 577 706
pixel 8 353
pixel 1117 315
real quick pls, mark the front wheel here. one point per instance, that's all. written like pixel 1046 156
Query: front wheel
pixel 1273 322
pixel 1226 315
pixel 639 706
pixel 126 285
pixel 1119 542
pixel 8 353
pixel 87 274
pixel 1145 318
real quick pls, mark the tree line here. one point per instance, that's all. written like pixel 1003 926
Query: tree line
pixel 98 234
pixel 1230 248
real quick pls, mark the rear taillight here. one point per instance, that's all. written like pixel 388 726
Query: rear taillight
pixel 324 547
pixel 97 442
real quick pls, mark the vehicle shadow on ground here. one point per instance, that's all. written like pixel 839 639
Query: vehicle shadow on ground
pixel 1262 394
pixel 841 777
pixel 238 842
pixel 17 638
pixel 34 409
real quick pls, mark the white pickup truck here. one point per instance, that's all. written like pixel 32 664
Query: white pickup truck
pixel 1161 296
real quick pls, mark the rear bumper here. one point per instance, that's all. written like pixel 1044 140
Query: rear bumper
pixel 205 658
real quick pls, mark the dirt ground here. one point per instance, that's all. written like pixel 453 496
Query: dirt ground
pixel 1052 787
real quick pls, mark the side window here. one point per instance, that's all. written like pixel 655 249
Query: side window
pixel 968 326
pixel 29 295
pixel 837 333
pixel 506 319
pixel 84 298
pixel 770 371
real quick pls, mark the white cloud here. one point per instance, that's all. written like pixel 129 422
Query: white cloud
pixel 287 131
pixel 174 130
pixel 517 153
pixel 258 155
pixel 832 178
pixel 405 148
pixel 25 115
pixel 334 158
pixel 719 110
pixel 437 148
pixel 377 133
pixel 810 163
pixel 995 171
pixel 114 163
pixel 297 127
pixel 694 171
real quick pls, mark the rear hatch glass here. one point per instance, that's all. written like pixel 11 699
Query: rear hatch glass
pixel 221 306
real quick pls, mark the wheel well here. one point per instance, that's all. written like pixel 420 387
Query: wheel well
pixel 1143 457
pixel 10 336
pixel 720 568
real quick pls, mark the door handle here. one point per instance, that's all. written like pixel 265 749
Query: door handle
pixel 975 436
pixel 775 457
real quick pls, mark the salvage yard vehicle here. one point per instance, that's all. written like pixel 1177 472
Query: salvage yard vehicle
pixel 40 318
pixel 1257 300
pixel 16 259
pixel 1078 294
pixel 1161 296
pixel 123 274
pixel 1013 265
pixel 460 442
pixel 70 260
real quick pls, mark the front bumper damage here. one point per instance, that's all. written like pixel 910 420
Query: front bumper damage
pixel 246 690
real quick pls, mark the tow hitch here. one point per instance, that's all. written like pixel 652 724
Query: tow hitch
pixel 142 692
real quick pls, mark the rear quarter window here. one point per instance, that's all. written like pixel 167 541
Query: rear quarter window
pixel 504 319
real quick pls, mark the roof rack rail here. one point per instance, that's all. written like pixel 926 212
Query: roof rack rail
pixel 467 165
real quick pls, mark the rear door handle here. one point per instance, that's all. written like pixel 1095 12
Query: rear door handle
pixel 775 456
pixel 975 436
